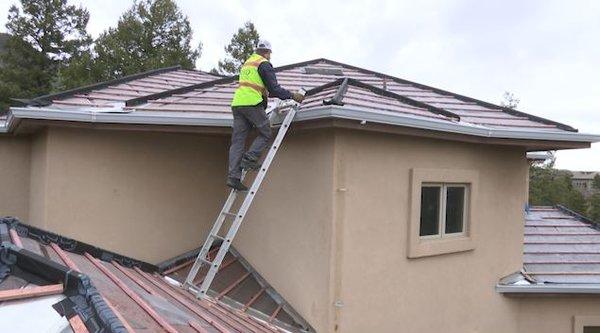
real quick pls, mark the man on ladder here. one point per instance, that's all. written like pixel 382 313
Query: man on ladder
pixel 257 81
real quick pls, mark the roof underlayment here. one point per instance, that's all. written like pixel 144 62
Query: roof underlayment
pixel 561 254
pixel 69 283
pixel 191 98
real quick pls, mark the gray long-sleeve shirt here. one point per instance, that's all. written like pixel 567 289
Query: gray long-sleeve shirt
pixel 267 74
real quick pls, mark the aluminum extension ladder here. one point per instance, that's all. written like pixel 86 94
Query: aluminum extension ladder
pixel 238 217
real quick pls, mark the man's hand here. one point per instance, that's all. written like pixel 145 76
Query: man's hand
pixel 297 97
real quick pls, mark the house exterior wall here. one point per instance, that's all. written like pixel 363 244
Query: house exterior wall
pixel 147 195
pixel 286 235
pixel 328 229
pixel 38 180
pixel 555 314
pixel 15 160
pixel 381 290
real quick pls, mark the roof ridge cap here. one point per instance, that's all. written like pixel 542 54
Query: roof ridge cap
pixel 578 216
pixel 403 99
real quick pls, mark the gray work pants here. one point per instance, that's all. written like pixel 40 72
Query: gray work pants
pixel 244 119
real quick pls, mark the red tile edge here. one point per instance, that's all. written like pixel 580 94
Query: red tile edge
pixel 63 256
pixel 135 297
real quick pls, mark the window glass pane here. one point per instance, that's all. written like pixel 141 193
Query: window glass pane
pixel 430 210
pixel 591 329
pixel 455 204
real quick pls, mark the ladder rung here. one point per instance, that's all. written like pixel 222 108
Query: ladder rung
pixel 218 237
pixel 208 262
pixel 228 214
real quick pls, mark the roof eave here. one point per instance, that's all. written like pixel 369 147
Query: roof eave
pixel 137 117
pixel 224 120
pixel 549 289
pixel 392 118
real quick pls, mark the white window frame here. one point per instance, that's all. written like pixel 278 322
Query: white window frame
pixel 442 211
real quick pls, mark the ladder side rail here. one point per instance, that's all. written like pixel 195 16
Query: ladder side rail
pixel 189 281
pixel 246 203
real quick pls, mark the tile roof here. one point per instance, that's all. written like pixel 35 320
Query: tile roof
pixel 104 94
pixel 561 247
pixel 561 255
pixel 137 294
pixel 196 99
pixel 214 97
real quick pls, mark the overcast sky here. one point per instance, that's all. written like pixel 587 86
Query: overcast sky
pixel 546 52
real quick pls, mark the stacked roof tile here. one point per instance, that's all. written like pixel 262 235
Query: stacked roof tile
pixel 137 294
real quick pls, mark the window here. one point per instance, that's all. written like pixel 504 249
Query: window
pixel 441 218
pixel 443 208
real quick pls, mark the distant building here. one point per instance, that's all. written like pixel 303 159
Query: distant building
pixel 583 180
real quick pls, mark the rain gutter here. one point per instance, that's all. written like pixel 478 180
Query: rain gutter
pixel 326 112
pixel 549 289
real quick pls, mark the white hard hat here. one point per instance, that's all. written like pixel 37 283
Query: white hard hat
pixel 263 45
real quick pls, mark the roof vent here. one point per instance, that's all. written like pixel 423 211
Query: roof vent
pixel 324 71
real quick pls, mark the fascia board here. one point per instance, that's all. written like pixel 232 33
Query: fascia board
pixel 549 289
pixel 136 117
pixel 369 115
pixel 391 118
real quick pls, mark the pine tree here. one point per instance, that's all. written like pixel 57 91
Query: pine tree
pixel 548 186
pixel 45 35
pixel 151 34
pixel 594 211
pixel 242 45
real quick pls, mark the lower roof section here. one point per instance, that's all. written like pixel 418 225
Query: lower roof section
pixel 561 254
pixel 143 297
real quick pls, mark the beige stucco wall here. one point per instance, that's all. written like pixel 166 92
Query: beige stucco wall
pixel 554 314
pixel 287 233
pixel 383 291
pixel 38 180
pixel 147 195
pixel 14 176
pixel 329 224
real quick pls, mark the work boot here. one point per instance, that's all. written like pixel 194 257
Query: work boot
pixel 250 162
pixel 236 184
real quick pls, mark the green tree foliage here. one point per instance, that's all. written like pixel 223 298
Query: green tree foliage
pixel 150 35
pixel 509 100
pixel 594 211
pixel 45 35
pixel 596 182
pixel 548 186
pixel 241 46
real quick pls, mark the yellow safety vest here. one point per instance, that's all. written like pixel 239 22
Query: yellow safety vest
pixel 251 90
